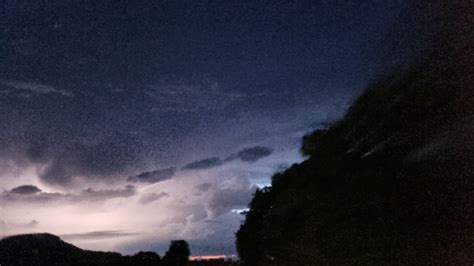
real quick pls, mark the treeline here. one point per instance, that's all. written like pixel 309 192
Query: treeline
pixel 389 184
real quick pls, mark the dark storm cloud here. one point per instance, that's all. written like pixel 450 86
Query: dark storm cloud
pixel 25 190
pixel 104 194
pixel 256 69
pixel 88 195
pixel 203 164
pixel 151 197
pixel 39 197
pixel 94 235
pixel 154 176
pixel 66 155
pixel 251 155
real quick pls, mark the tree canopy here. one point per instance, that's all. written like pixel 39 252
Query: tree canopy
pixel 177 254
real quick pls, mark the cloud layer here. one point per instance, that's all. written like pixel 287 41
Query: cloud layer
pixel 249 155
pixel 203 164
pixel 94 235
pixel 25 190
pixel 194 204
pixel 154 176
pixel 34 195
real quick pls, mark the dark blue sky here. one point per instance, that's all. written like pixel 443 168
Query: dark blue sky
pixel 95 92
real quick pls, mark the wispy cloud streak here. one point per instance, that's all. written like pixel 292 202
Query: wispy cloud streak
pixel 34 87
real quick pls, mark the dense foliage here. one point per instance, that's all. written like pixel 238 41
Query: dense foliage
pixel 391 183
pixel 177 254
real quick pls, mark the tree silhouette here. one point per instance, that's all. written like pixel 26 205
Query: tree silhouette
pixel 385 185
pixel 177 254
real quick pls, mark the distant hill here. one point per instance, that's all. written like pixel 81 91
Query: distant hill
pixel 392 183
pixel 47 249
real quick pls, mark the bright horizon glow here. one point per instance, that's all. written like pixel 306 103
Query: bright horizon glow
pixel 212 257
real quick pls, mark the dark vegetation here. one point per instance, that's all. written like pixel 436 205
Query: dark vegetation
pixel 50 250
pixel 47 249
pixel 389 184
pixel 177 254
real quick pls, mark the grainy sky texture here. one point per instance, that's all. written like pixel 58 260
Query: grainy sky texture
pixel 125 124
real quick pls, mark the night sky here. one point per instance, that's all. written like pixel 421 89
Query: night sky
pixel 125 124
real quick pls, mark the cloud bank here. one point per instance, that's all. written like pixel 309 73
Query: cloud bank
pixel 249 155
pixel 33 195
pixel 156 176
pixel 203 164
pixel 25 190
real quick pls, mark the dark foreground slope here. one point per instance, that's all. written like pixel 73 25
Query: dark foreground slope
pixel 389 184
pixel 47 249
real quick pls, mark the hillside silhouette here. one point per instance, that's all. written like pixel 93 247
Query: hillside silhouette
pixel 49 250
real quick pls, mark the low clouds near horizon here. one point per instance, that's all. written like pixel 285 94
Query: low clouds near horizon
pixel 249 155
pixel 25 190
pixel 203 164
pixel 94 235
pixel 154 176
pixel 32 194
pixel 190 205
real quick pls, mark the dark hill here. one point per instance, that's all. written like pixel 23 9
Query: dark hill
pixel 389 184
pixel 47 249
